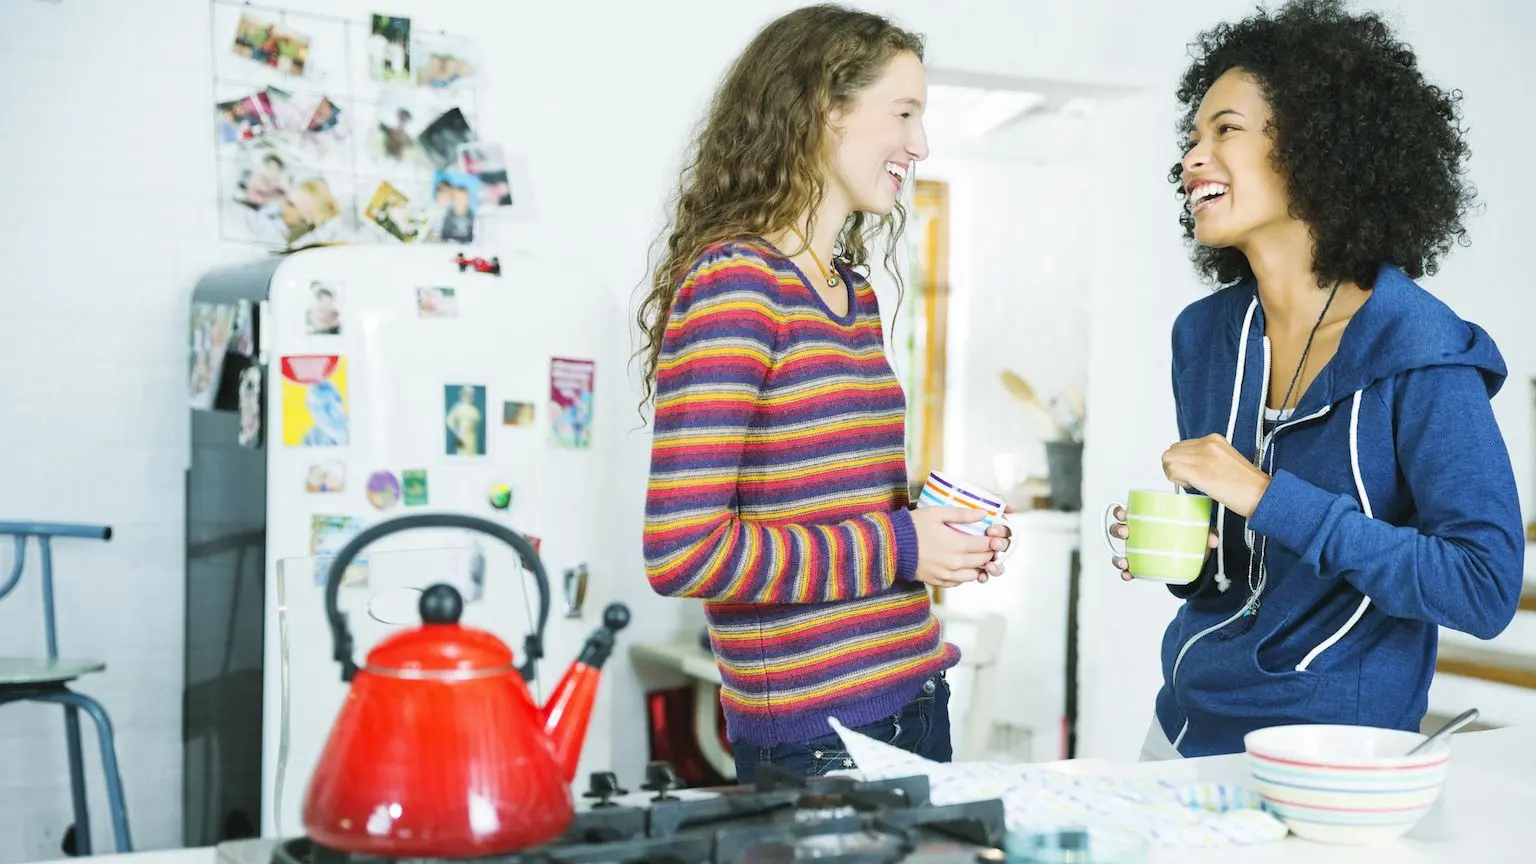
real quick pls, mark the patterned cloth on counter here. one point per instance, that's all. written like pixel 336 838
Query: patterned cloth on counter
pixel 1040 799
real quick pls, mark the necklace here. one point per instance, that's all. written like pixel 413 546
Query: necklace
pixel 1300 364
pixel 1256 589
pixel 825 273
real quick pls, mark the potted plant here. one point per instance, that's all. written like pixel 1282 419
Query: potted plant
pixel 1064 449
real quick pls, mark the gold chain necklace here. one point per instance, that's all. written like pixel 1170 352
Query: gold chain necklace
pixel 825 273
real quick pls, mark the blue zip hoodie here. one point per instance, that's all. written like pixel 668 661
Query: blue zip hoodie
pixel 1391 510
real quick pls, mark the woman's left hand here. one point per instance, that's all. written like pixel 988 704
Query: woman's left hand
pixel 1214 467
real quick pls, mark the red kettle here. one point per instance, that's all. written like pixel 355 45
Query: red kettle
pixel 439 750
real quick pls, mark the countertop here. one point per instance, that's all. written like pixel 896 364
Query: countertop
pixel 1481 816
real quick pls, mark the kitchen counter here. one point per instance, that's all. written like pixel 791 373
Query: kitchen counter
pixel 1481 816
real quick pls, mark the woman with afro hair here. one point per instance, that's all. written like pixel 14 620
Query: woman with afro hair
pixel 1336 412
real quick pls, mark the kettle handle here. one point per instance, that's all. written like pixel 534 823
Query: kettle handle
pixel 341 637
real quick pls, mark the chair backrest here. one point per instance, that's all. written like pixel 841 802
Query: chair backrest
pixel 45 532
pixel 980 639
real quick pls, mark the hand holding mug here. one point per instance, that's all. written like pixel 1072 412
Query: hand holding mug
pixel 947 555
pixel 1122 531
pixel 961 508
pixel 1167 535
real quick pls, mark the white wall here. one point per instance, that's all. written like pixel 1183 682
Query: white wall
pixel 105 109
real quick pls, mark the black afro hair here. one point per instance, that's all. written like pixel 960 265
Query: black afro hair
pixel 1372 154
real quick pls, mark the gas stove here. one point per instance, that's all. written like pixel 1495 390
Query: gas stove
pixel 780 818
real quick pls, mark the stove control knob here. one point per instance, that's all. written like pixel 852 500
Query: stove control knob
pixel 661 778
pixel 603 785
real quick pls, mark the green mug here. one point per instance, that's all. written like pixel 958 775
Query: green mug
pixel 1169 535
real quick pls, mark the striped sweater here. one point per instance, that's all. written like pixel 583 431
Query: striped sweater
pixel 778 496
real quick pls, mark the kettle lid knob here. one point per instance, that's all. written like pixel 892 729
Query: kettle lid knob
pixel 441 604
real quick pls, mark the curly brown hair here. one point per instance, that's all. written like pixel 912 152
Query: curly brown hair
pixel 759 161
pixel 1373 155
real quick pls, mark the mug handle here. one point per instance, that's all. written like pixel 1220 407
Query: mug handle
pixel 1109 539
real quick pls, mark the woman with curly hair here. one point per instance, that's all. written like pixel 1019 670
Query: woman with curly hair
pixel 1336 412
pixel 778 485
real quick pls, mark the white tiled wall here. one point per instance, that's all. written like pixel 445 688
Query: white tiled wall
pixel 105 157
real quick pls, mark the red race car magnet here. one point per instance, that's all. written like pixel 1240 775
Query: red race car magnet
pixel 481 265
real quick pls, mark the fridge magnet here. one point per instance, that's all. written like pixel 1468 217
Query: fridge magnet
pixel 389 50
pixel 477 575
pixel 444 62
pixel 575 582
pixel 209 334
pixel 413 484
pixel 391 210
pixel 383 490
pixel 327 476
pixel 275 47
pixel 486 163
pixel 455 202
pixel 439 301
pixel 314 391
pixel 327 536
pixel 570 402
pixel 250 407
pixel 441 140
pixel 501 496
pixel 480 265
pixel 536 542
pixel 323 317
pixel 517 413
pixel 464 417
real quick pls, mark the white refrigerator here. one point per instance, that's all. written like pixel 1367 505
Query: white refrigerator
pixel 401 380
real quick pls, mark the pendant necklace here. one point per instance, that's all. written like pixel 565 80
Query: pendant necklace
pixel 1257 589
pixel 825 273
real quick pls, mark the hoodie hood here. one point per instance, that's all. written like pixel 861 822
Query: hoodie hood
pixel 1400 328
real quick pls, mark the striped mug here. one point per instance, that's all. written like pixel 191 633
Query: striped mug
pixel 1169 535
pixel 942 491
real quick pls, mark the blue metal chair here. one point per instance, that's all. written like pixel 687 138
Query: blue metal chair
pixel 47 680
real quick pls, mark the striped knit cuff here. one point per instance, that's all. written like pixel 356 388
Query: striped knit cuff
pixel 906 544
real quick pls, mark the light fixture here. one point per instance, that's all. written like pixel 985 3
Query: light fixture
pixel 996 108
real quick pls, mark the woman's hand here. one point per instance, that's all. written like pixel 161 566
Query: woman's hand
pixel 1211 465
pixel 1004 532
pixel 947 557
pixel 1121 531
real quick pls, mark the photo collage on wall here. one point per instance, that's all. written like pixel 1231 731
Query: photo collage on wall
pixel 334 129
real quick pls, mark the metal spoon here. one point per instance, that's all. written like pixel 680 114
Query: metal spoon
pixel 1459 721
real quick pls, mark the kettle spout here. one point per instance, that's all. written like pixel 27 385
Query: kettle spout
pixel 569 708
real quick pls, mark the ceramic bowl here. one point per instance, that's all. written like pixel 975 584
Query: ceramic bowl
pixel 1345 784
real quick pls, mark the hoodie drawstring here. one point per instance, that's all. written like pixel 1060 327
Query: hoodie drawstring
pixel 1222 581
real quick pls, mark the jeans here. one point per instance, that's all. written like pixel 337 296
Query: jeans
pixel 921 727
